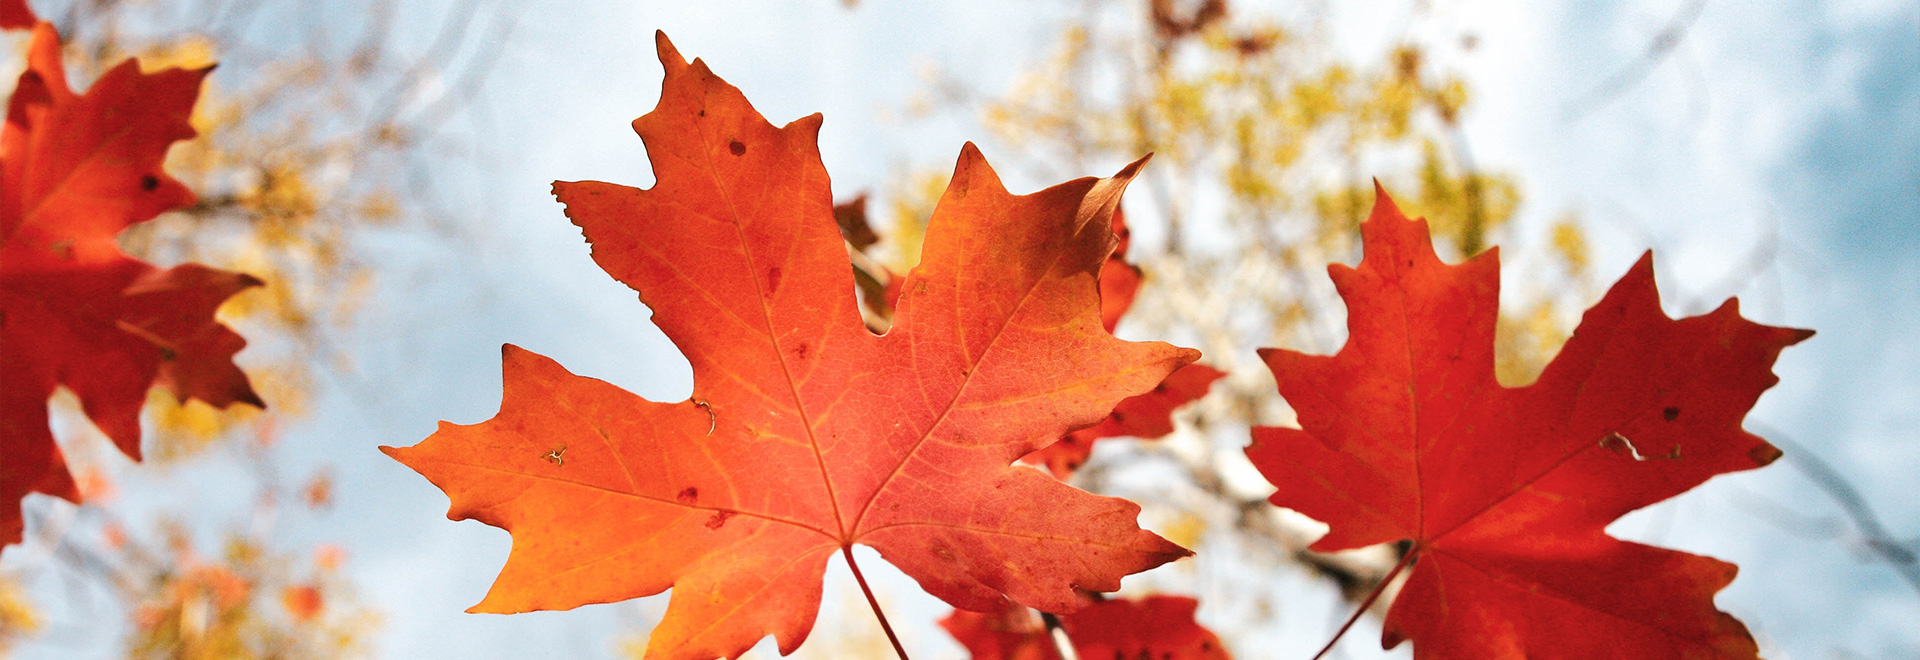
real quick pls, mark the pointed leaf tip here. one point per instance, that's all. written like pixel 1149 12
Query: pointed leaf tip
pixel 970 151
pixel 1383 204
pixel 1132 169
pixel 971 170
pixel 664 46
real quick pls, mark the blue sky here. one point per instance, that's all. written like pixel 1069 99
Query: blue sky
pixel 1801 118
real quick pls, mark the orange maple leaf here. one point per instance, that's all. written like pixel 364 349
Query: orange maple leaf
pixel 75 311
pixel 1505 493
pixel 304 602
pixel 1158 627
pixel 807 433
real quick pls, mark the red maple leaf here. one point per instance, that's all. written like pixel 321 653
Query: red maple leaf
pixel 16 15
pixel 806 432
pixel 75 311
pixel 1505 493
pixel 1157 627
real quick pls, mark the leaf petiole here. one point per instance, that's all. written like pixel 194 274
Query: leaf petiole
pixel 1405 561
pixel 847 551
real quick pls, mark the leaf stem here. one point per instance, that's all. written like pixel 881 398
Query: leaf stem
pixel 847 551
pixel 1405 561
pixel 1056 633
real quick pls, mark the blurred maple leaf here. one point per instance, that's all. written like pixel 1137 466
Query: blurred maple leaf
pixel 1157 627
pixel 75 310
pixel 15 15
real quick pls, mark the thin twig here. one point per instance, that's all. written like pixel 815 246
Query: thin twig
pixel 1056 633
pixel 1836 486
pixel 1662 45
pixel 847 551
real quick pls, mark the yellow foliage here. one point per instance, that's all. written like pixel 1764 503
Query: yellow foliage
pixel 17 615
pixel 911 202
pixel 237 608
pixel 187 52
pixel 1570 244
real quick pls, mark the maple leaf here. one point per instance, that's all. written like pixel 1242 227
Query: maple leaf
pixel 16 15
pixel 1505 493
pixel 1158 627
pixel 75 311
pixel 807 433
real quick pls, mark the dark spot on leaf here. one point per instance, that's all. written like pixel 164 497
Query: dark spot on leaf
pixel 149 182
pixel 773 279
pixel 703 112
pixel 719 519
pixel 737 148
pixel 1671 414
pixel 1118 417
pixel 688 496
pixel 167 354
pixel 800 351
